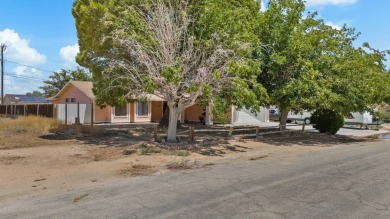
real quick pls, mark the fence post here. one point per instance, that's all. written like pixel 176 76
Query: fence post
pixel 91 114
pixel 78 113
pixel 303 126
pixel 54 107
pixel 38 110
pixel 6 110
pixel 231 131
pixel 66 114
pixel 24 109
pixel 155 133
pixel 191 134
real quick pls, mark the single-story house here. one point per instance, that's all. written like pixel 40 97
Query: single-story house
pixel 75 92
pixel 21 99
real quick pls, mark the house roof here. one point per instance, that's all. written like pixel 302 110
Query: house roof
pixel 86 88
pixel 21 98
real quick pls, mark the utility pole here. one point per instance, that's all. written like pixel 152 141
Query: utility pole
pixel 2 47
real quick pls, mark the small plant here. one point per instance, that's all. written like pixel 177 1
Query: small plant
pixel 180 153
pixel 327 121
pixel 146 149
pixel 129 152
pixel 184 164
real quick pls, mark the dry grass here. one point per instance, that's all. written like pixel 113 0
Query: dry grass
pixel 24 131
pixel 28 124
pixel 137 170
pixel 184 164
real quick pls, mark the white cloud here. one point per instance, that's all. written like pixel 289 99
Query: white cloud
pixel 19 50
pixel 330 2
pixel 335 26
pixel 68 55
pixel 25 71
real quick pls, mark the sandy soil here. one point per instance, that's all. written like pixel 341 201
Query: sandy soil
pixel 64 165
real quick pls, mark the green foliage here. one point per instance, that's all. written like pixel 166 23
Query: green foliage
pixel 327 121
pixel 226 23
pixel 59 79
pixel 145 149
pixel 34 93
pixel 308 65
pixel 129 152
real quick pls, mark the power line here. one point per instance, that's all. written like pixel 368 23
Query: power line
pixel 29 66
pixel 12 86
pixel 22 76
pixel 35 85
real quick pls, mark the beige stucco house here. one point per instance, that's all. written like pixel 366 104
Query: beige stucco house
pixel 75 92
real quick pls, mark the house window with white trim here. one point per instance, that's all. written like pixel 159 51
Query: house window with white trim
pixel 143 108
pixel 120 110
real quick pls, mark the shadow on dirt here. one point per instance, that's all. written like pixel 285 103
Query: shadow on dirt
pixel 310 139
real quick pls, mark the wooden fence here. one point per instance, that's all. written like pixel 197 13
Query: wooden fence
pixel 65 113
pixel 45 110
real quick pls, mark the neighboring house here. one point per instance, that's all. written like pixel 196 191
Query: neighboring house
pixel 81 92
pixel 20 99
pixel 151 111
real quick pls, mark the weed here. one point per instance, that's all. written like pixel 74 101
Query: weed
pixel 184 164
pixel 137 170
pixel 180 153
pixel 145 149
pixel 129 152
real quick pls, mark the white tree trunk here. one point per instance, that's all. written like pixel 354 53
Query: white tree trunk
pixel 172 126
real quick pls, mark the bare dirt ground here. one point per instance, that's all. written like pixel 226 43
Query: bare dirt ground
pixel 73 157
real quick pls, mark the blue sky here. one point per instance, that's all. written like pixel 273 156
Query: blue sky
pixel 42 34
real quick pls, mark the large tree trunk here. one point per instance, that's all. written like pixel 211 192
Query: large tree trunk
pixel 172 126
pixel 164 122
pixel 283 117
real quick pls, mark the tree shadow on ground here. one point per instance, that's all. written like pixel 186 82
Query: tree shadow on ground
pixel 135 134
pixel 310 139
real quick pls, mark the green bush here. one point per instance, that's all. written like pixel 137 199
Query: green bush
pixel 327 121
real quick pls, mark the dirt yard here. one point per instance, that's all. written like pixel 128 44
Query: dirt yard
pixel 61 158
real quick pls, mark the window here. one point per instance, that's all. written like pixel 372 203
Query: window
pixel 67 100
pixel 121 110
pixel 73 100
pixel 143 109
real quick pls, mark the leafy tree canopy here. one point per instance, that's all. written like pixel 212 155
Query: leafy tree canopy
pixel 59 79
pixel 34 93
pixel 187 52
pixel 309 65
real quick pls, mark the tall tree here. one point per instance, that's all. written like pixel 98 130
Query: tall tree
pixel 309 65
pixel 34 93
pixel 59 79
pixel 185 52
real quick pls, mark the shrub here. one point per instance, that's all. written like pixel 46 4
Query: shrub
pixel 327 121
pixel 146 149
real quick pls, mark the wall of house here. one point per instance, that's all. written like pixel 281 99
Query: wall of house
pixel 157 111
pixel 72 92
pixel 102 115
pixel 192 113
